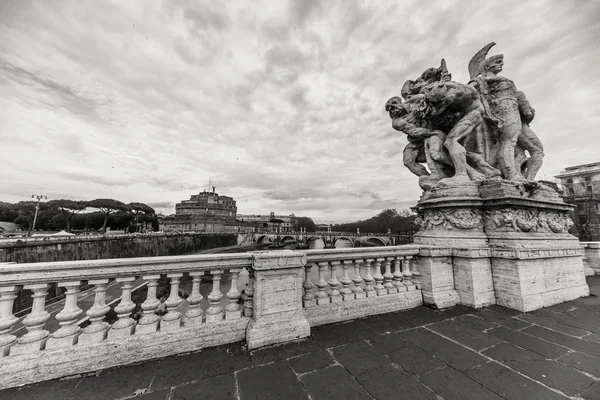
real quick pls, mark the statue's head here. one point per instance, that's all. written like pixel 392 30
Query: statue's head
pixel 493 64
pixel 395 107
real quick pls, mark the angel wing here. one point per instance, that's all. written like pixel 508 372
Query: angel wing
pixel 478 59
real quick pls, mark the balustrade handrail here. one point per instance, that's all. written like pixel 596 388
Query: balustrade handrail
pixel 313 256
pixel 61 271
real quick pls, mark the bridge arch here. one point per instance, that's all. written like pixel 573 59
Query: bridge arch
pixel 315 242
pixel 374 241
pixel 286 238
pixel 343 242
pixel 264 239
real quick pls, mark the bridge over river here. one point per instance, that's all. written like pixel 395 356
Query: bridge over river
pixel 321 240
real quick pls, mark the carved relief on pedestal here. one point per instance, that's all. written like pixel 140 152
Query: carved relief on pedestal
pixel 526 220
pixel 442 219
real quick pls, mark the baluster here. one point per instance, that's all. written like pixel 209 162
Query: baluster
pixel 125 325
pixel 233 310
pixel 416 275
pixel 308 299
pixel 346 281
pixel 193 316
pixel 35 338
pixel 389 286
pixel 398 277
pixel 249 294
pixel 333 282
pixel 97 330
pixel 378 278
pixel 321 295
pixel 215 311
pixel 172 319
pixel 8 294
pixel 357 289
pixel 407 274
pixel 149 321
pixel 369 289
pixel 67 318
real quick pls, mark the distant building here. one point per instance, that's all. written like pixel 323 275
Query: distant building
pixel 270 223
pixel 205 211
pixel 581 185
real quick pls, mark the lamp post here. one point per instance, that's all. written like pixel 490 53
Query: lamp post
pixel 39 197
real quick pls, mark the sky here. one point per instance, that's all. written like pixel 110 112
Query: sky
pixel 280 104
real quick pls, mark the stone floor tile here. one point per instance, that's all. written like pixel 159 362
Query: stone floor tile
pixel 311 361
pixel 336 334
pixel 510 352
pixel 457 311
pixel 579 318
pixel 333 383
pixel 388 323
pixel 553 374
pixel 158 395
pixel 220 387
pixel 423 315
pixel 587 347
pixel 510 385
pixel 464 335
pixel 592 393
pixel 594 337
pixel 50 390
pixel 507 312
pixel 542 347
pixel 451 384
pixel 389 383
pixel 415 360
pixel 115 383
pixel 582 362
pixel 449 352
pixel 387 343
pixel 359 357
pixel 551 324
pixel 177 370
pixel 592 301
pixel 474 322
pixel 272 381
pixel 283 351
pixel 502 319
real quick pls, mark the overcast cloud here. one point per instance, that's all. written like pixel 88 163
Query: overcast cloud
pixel 281 104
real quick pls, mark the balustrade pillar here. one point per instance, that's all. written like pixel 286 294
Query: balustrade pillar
pixel 248 296
pixel 369 288
pixel 416 275
pixel 398 277
pixel 357 289
pixel 308 299
pixel 97 330
pixel 35 338
pixel 346 281
pixel 193 316
pixel 69 331
pixel 380 289
pixel 125 325
pixel 407 274
pixel 387 276
pixel 233 310
pixel 149 321
pixel 8 294
pixel 334 293
pixel 172 319
pixel 321 295
pixel 215 311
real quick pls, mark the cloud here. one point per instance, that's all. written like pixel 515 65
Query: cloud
pixel 280 104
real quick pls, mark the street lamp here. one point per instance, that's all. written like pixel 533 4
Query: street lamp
pixel 39 197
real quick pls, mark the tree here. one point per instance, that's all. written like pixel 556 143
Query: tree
pixel 304 222
pixel 8 212
pixel 26 211
pixel 68 208
pixel 107 207
pixel 139 208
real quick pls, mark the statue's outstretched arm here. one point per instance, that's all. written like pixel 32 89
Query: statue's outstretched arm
pixel 527 112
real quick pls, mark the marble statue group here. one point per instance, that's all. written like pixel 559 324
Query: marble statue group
pixel 467 132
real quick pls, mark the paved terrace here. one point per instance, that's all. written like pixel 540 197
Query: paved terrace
pixel 459 353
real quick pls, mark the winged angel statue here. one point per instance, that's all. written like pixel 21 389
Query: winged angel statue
pixel 465 132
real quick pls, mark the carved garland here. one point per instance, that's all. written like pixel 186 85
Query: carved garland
pixel 450 219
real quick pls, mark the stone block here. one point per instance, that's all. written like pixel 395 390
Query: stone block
pixel 170 325
pixel 212 318
pixel 348 296
pixel 473 281
pixel 146 328
pixel 360 295
pixel 392 289
pixel 323 300
pixel 94 337
pixel 121 333
pixel 233 314
pixel 437 280
pixel 67 341
pixel 592 254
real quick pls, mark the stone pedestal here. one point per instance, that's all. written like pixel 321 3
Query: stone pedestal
pixel 437 279
pixel 509 244
pixel 277 315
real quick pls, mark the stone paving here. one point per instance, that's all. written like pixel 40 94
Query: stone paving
pixel 460 353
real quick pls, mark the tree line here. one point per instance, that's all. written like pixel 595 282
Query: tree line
pixel 71 215
pixel 402 222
